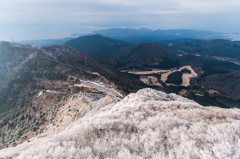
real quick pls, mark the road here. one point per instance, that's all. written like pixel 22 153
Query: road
pixel 99 87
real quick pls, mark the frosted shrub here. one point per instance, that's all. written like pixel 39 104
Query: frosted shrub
pixel 144 125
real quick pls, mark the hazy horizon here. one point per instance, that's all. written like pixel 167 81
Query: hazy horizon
pixel 30 20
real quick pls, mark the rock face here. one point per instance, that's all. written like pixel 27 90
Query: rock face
pixel 147 124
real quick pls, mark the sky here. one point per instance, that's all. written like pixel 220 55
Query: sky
pixel 53 19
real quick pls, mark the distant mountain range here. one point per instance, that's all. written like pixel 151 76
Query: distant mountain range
pixel 137 36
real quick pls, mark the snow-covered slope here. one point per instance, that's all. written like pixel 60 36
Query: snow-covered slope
pixel 147 124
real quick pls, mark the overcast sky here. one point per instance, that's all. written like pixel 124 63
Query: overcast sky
pixel 44 19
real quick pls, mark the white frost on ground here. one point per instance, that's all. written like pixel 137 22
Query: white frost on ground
pixel 99 87
pixel 147 124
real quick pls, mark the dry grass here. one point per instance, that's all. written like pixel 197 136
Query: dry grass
pixel 154 80
pixel 185 78
pixel 164 76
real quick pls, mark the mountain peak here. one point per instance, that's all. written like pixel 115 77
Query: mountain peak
pixel 145 44
pixel 145 30
pixel 96 45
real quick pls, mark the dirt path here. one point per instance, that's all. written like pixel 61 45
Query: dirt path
pixel 146 72
pixel 98 87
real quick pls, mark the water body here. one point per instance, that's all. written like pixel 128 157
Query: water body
pixel 233 36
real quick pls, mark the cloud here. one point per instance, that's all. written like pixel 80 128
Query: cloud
pixel 72 10
pixel 194 14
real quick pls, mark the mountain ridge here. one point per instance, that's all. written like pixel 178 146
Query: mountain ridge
pixel 147 54
pixel 40 81
pixel 132 126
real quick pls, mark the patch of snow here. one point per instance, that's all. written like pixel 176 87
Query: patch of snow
pixel 46 92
